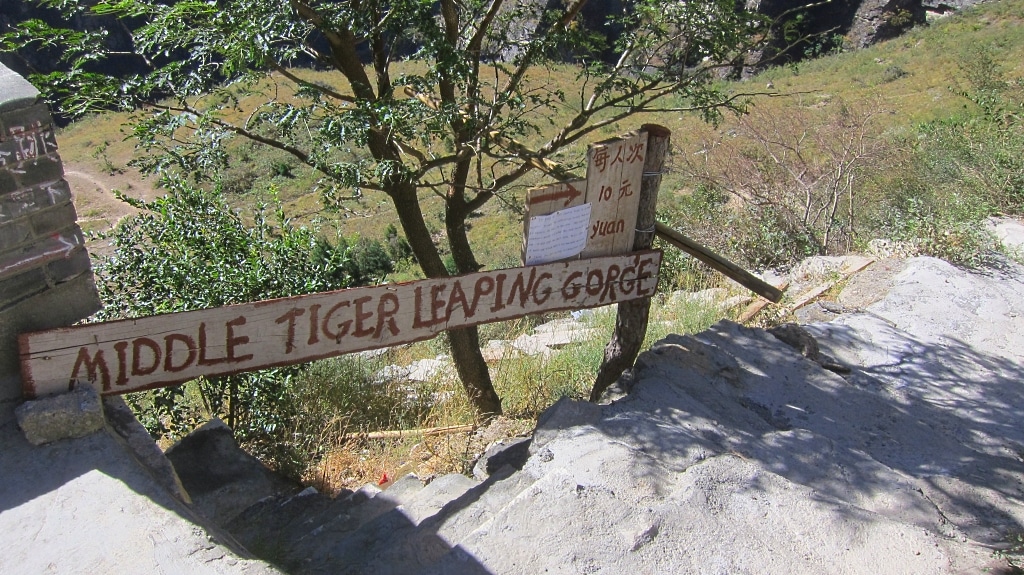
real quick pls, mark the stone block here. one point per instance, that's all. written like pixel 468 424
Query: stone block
pixel 41 170
pixel 14 234
pixel 222 479
pixel 7 182
pixel 70 267
pixel 19 203
pixel 57 218
pixel 27 145
pixel 66 416
pixel 15 91
pixel 564 414
pixel 59 306
pixel 513 452
pixel 20 286
pixel 10 153
pixel 57 192
pixel 123 422
pixel 40 252
pixel 20 121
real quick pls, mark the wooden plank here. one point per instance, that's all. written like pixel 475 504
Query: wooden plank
pixel 813 293
pixel 399 433
pixel 156 351
pixel 549 199
pixel 757 305
pixel 726 267
pixel 614 169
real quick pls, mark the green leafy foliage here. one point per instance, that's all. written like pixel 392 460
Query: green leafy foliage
pixel 958 171
pixel 189 250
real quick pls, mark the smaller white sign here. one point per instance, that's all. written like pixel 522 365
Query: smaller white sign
pixel 558 235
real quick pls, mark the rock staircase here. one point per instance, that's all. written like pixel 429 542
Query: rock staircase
pixel 408 527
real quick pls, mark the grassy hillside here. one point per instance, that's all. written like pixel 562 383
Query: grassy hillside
pixel 914 79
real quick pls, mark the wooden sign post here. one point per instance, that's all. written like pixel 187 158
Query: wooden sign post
pixel 162 350
pixel 614 169
pixel 631 317
pixel 564 221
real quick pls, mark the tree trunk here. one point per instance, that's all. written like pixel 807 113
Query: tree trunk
pixel 631 320
pixel 473 374
pixel 465 342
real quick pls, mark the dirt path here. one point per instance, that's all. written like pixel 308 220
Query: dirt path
pixel 99 210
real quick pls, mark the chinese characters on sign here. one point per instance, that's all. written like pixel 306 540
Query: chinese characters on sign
pixel 614 170
pixel 553 226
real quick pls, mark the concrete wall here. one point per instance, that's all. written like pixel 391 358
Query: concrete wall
pixel 45 277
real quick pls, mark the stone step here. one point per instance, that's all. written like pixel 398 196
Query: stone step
pixel 222 479
pixel 344 547
pixel 417 547
pixel 402 490
pixel 266 527
pixel 313 552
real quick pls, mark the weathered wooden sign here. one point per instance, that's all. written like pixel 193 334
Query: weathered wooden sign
pixel 155 351
pixel 557 226
pixel 614 170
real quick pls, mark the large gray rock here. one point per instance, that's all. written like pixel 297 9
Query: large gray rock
pixel 66 416
pixel 735 453
pixel 86 506
pixel 221 479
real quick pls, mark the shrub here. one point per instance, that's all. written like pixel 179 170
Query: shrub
pixel 188 250
pixel 368 262
pixel 958 171
pixel 786 187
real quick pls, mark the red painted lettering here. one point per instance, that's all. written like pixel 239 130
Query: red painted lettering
pixel 500 287
pixel 121 348
pixel 607 228
pixel 154 349
pixel 524 290
pixel 342 327
pixel 437 303
pixel 609 286
pixel 190 345
pixel 361 330
pixel 595 281
pixel 386 315
pixel 202 348
pixel 626 284
pixel 600 158
pixel 314 321
pixel 95 367
pixel 571 289
pixel 636 153
pixel 479 290
pixel 547 290
pixel 641 274
pixel 457 297
pixel 232 341
pixel 417 319
pixel 289 316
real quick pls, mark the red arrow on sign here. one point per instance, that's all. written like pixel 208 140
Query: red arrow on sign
pixel 571 194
